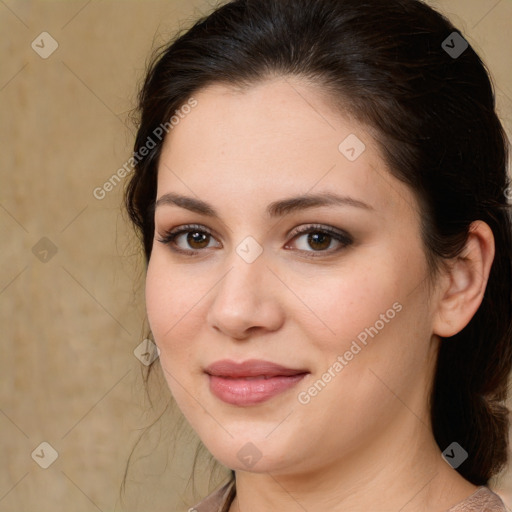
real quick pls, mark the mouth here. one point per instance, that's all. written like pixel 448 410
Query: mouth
pixel 251 382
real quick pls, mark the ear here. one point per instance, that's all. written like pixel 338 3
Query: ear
pixel 463 285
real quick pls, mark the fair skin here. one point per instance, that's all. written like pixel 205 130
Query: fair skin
pixel 364 442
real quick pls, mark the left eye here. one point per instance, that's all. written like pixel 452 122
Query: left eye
pixel 320 239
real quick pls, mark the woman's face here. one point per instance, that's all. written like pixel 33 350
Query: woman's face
pixel 343 305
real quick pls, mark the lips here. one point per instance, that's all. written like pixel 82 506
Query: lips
pixel 251 382
pixel 249 369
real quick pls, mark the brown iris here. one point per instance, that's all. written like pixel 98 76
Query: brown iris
pixel 196 237
pixel 319 241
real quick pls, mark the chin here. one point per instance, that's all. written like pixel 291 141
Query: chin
pixel 257 456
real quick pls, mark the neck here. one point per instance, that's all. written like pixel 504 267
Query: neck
pixel 402 471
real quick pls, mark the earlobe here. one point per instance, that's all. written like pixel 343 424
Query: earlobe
pixel 465 282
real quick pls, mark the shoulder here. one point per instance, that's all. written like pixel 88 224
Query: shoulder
pixel 215 501
pixel 482 500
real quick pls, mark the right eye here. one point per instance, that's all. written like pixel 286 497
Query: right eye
pixel 188 239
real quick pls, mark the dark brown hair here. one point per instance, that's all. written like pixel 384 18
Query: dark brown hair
pixel 393 65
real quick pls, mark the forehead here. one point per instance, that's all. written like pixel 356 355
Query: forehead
pixel 279 137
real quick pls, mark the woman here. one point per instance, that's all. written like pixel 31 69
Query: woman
pixel 321 192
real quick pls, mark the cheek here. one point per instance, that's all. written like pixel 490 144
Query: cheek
pixel 382 332
pixel 170 300
pixel 367 314
pixel 344 305
pixel 159 297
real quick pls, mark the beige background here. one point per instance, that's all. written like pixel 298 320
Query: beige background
pixel 70 324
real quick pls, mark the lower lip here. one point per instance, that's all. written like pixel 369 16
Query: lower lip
pixel 250 392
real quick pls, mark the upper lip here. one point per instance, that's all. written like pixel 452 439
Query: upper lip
pixel 250 368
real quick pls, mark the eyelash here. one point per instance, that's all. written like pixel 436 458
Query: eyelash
pixel 343 238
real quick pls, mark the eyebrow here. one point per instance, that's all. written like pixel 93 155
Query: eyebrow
pixel 274 209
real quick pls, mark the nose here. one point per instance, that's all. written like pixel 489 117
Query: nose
pixel 247 300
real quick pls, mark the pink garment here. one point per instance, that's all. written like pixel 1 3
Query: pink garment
pixel 482 500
